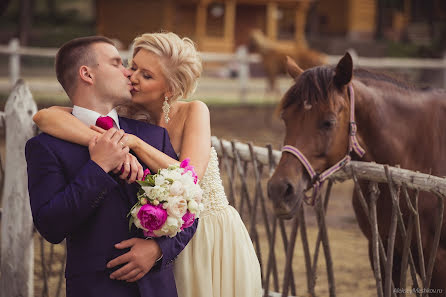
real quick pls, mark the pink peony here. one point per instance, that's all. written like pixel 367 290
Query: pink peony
pixel 185 165
pixel 151 218
pixel 149 233
pixel 188 219
pixel 146 172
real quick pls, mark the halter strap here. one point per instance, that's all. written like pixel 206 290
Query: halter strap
pixel 353 144
pixel 317 180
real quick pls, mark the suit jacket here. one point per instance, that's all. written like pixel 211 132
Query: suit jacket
pixel 72 198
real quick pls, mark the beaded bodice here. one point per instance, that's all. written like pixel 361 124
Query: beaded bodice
pixel 214 197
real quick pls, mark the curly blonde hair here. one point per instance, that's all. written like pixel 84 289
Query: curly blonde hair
pixel 180 65
pixel 180 61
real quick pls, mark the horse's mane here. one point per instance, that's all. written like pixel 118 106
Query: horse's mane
pixel 315 84
pixel 312 86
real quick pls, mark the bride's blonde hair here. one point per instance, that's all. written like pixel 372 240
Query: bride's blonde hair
pixel 180 65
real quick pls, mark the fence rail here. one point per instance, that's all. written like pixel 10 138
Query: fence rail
pixel 245 169
pixel 241 59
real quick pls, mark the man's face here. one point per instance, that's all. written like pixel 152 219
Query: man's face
pixel 111 80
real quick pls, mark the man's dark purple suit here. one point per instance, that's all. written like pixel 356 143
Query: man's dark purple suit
pixel 72 197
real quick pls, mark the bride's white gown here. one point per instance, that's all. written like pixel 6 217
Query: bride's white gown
pixel 220 260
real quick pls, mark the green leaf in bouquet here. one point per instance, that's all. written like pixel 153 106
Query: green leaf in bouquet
pixel 131 220
pixel 170 180
pixel 146 183
pixel 133 207
pixel 151 179
pixel 141 195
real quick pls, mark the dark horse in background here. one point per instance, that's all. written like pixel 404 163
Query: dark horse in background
pixel 397 124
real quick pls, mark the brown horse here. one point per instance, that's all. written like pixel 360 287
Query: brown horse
pixel 274 56
pixel 396 124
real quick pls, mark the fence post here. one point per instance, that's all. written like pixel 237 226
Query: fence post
pixel 444 69
pixel 14 61
pixel 243 73
pixel 17 252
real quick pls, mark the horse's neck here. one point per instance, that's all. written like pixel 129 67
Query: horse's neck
pixel 402 127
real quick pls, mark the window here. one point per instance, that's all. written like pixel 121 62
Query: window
pixel 286 23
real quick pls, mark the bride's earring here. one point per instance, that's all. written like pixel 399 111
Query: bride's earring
pixel 166 109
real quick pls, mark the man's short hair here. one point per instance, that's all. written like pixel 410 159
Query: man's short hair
pixel 71 56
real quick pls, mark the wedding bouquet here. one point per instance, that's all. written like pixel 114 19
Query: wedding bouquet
pixel 168 201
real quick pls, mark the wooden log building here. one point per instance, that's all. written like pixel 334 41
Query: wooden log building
pixel 222 25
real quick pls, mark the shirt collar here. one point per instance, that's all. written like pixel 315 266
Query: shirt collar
pixel 89 117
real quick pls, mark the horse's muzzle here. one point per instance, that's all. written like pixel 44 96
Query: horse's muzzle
pixel 286 197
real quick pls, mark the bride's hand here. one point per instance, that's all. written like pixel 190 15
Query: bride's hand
pixel 130 139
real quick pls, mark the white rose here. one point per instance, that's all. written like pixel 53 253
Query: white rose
pixel 187 178
pixel 176 188
pixel 159 180
pixel 193 207
pixel 198 195
pixel 172 174
pixel 147 190
pixel 170 227
pixel 158 193
pixel 177 207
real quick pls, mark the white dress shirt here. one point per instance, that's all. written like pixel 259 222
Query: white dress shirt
pixel 89 117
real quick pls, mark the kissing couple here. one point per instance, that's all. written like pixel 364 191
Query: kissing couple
pixel 83 168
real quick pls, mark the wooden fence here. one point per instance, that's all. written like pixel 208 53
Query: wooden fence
pixel 240 60
pixel 245 169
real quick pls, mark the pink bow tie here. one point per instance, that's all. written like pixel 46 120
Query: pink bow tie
pixel 104 122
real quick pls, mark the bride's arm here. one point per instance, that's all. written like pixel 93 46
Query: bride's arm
pixel 196 142
pixel 59 122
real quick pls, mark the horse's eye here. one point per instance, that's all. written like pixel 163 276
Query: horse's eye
pixel 328 124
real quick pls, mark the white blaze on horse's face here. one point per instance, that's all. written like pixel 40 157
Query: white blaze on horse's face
pixel 307 106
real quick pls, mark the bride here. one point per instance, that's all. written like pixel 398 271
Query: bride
pixel 220 260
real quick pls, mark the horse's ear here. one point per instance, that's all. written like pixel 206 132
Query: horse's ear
pixel 344 71
pixel 293 70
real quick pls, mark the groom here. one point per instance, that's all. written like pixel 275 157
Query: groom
pixel 74 194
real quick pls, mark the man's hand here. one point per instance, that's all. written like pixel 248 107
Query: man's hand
pixel 140 259
pixel 131 170
pixel 108 150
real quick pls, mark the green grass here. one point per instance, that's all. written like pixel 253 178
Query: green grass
pixel 72 19
pixel 398 49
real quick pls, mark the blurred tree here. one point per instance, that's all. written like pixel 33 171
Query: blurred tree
pixel 26 17
pixel 4 4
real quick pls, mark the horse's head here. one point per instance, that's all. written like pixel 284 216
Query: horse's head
pixel 257 41
pixel 315 111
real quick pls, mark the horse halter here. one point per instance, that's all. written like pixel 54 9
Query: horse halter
pixel 317 179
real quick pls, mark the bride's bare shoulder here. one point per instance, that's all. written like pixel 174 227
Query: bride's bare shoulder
pixel 196 108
